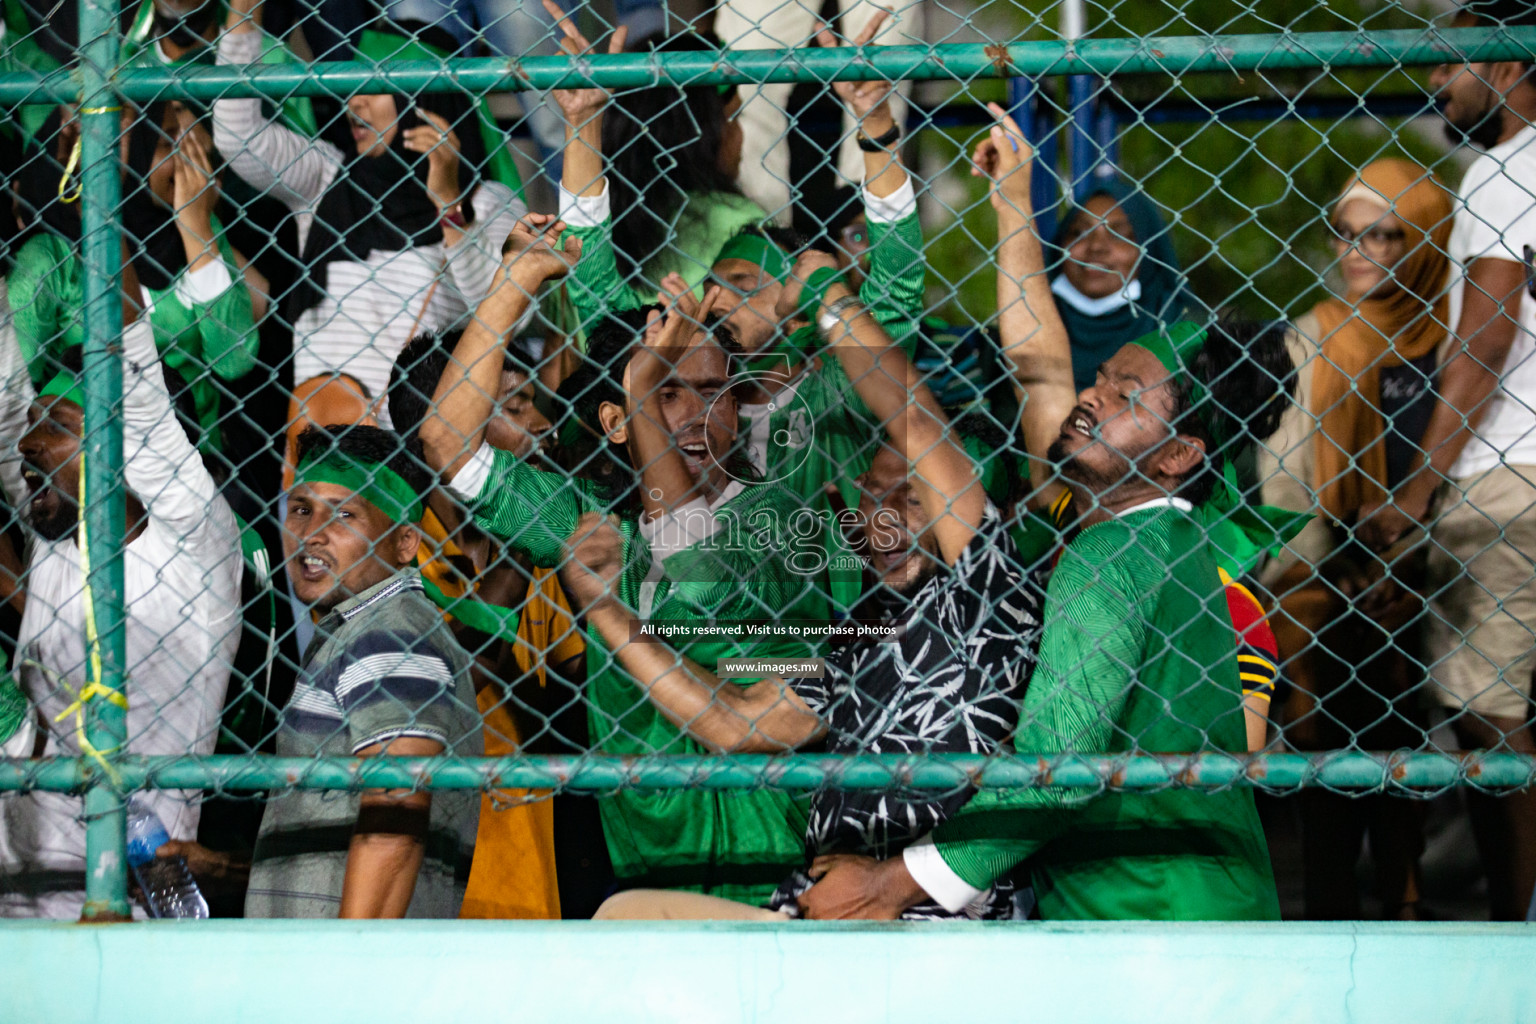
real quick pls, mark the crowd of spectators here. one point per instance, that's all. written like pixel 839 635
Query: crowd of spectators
pixel 412 470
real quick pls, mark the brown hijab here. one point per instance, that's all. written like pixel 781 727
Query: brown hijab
pixel 1362 334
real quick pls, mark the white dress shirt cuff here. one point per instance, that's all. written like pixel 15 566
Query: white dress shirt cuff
pixel 899 205
pixel 468 482
pixel 203 286
pixel 585 211
pixel 926 866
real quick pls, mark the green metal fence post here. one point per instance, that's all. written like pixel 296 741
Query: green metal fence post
pixel 106 872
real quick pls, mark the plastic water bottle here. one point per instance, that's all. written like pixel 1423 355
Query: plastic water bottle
pixel 168 887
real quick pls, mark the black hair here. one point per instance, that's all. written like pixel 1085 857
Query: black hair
pixel 663 144
pixel 842 208
pixel 519 358
pixel 1497 12
pixel 414 377
pixel 370 444
pixel 460 109
pixel 1250 377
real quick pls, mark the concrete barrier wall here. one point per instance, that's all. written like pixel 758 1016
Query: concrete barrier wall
pixel 276 972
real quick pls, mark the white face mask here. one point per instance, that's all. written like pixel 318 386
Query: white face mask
pixel 1063 290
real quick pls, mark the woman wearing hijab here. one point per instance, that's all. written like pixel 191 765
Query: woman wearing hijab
pixel 1117 276
pixel 1366 365
pixel 202 308
pixel 400 232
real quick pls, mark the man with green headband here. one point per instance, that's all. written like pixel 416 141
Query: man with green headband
pixel 1137 656
pixel 804 424
pixel 383 677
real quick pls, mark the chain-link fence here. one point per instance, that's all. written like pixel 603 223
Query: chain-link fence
pixel 643 448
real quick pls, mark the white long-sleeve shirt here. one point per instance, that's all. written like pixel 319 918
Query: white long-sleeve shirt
pixel 182 576
pixel 369 308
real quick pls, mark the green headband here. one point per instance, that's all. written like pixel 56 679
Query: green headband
pixel 759 252
pixel 379 47
pixel 371 481
pixel 64 385
pixel 1176 348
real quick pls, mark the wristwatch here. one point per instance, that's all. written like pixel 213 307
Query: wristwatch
pixel 453 216
pixel 881 144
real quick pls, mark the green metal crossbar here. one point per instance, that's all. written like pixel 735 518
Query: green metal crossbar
pixel 1354 771
pixel 1171 55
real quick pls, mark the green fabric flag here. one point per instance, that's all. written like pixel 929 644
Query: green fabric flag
pixel 491 619
pixel 13 703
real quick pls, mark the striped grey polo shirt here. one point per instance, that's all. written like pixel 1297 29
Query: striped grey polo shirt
pixel 382 665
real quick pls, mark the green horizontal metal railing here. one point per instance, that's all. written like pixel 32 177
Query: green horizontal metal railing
pixel 1170 55
pixel 1354 771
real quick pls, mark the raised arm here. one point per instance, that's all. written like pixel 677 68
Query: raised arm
pixel 271 158
pixel 893 288
pixel 596 285
pixel 1033 335
pixel 766 717
pixel 454 429
pixel 161 466
pixel 943 475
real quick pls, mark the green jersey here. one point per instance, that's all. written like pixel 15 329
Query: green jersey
pixel 1137 656
pixel 737 845
pixel 203 338
pixel 819 431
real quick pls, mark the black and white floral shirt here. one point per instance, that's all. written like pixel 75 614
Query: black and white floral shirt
pixel 953 683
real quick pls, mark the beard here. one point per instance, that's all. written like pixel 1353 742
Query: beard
pixel 882 601
pixel 1481 128
pixel 58 523
pixel 1075 468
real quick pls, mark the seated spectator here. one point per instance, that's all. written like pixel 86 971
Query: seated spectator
pixel 182 568
pixel 1239 533
pixel 1137 652
pixel 1118 277
pixel 670 201
pixel 1349 625
pixel 199 303
pixel 399 232
pixel 384 678
pixel 947 573
pixel 736 845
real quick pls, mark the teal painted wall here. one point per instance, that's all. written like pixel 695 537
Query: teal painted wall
pixel 276 972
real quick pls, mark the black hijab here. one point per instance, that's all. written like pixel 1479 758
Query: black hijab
pixel 380 203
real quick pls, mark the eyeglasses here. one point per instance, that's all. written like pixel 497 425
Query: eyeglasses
pixel 1374 242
